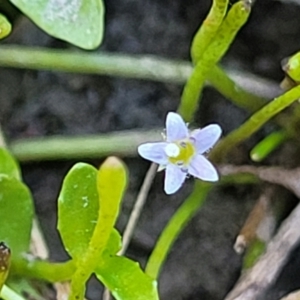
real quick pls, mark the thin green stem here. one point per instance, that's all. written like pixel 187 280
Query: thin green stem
pixel 254 123
pixel 234 20
pixel 44 270
pixel 141 67
pixel 232 91
pixel 208 29
pixel 178 221
pixel 268 145
pixel 59 147
pixel 131 66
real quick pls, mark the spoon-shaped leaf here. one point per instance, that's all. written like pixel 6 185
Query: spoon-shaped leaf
pixel 78 207
pixel 125 279
pixel 16 213
pixel 79 22
pixel 8 165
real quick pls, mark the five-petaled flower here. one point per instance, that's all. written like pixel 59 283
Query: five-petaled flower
pixel 182 152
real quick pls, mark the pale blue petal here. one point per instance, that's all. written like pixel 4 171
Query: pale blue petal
pixel 201 168
pixel 174 179
pixel 154 152
pixel 206 137
pixel 176 129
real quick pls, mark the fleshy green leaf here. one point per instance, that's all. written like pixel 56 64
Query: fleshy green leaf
pixel 114 243
pixel 125 279
pixel 16 213
pixel 8 165
pixel 79 22
pixel 111 183
pixel 78 208
pixel 5 27
pixel 268 145
pixel 292 67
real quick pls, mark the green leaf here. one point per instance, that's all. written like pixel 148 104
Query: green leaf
pixel 79 22
pixel 78 206
pixel 5 27
pixel 125 279
pixel 114 243
pixel 8 164
pixel 16 213
pixel 292 67
pixel 111 183
pixel 268 145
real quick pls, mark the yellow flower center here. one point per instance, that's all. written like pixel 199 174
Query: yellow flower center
pixel 180 153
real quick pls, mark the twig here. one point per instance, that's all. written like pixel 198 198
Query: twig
pixel 255 282
pixel 292 296
pixel 284 177
pixel 138 206
pixel 250 230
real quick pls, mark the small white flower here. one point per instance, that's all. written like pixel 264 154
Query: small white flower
pixel 182 152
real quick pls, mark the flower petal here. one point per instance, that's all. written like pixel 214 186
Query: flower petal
pixel 174 179
pixel 201 168
pixel 176 129
pixel 206 137
pixel 154 152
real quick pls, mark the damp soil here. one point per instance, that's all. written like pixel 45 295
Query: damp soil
pixel 202 263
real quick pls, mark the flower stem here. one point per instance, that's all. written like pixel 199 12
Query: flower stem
pixel 254 123
pixel 178 221
pixel 232 91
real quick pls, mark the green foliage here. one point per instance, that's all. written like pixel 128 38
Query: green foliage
pixel 218 39
pixel 16 215
pixel 79 22
pixel 78 208
pixel 8 165
pixel 5 27
pixel 267 145
pixel 89 204
pixel 208 29
pixel 292 67
pixel 125 279
pixel 90 199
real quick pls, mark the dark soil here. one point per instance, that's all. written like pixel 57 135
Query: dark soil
pixel 202 264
